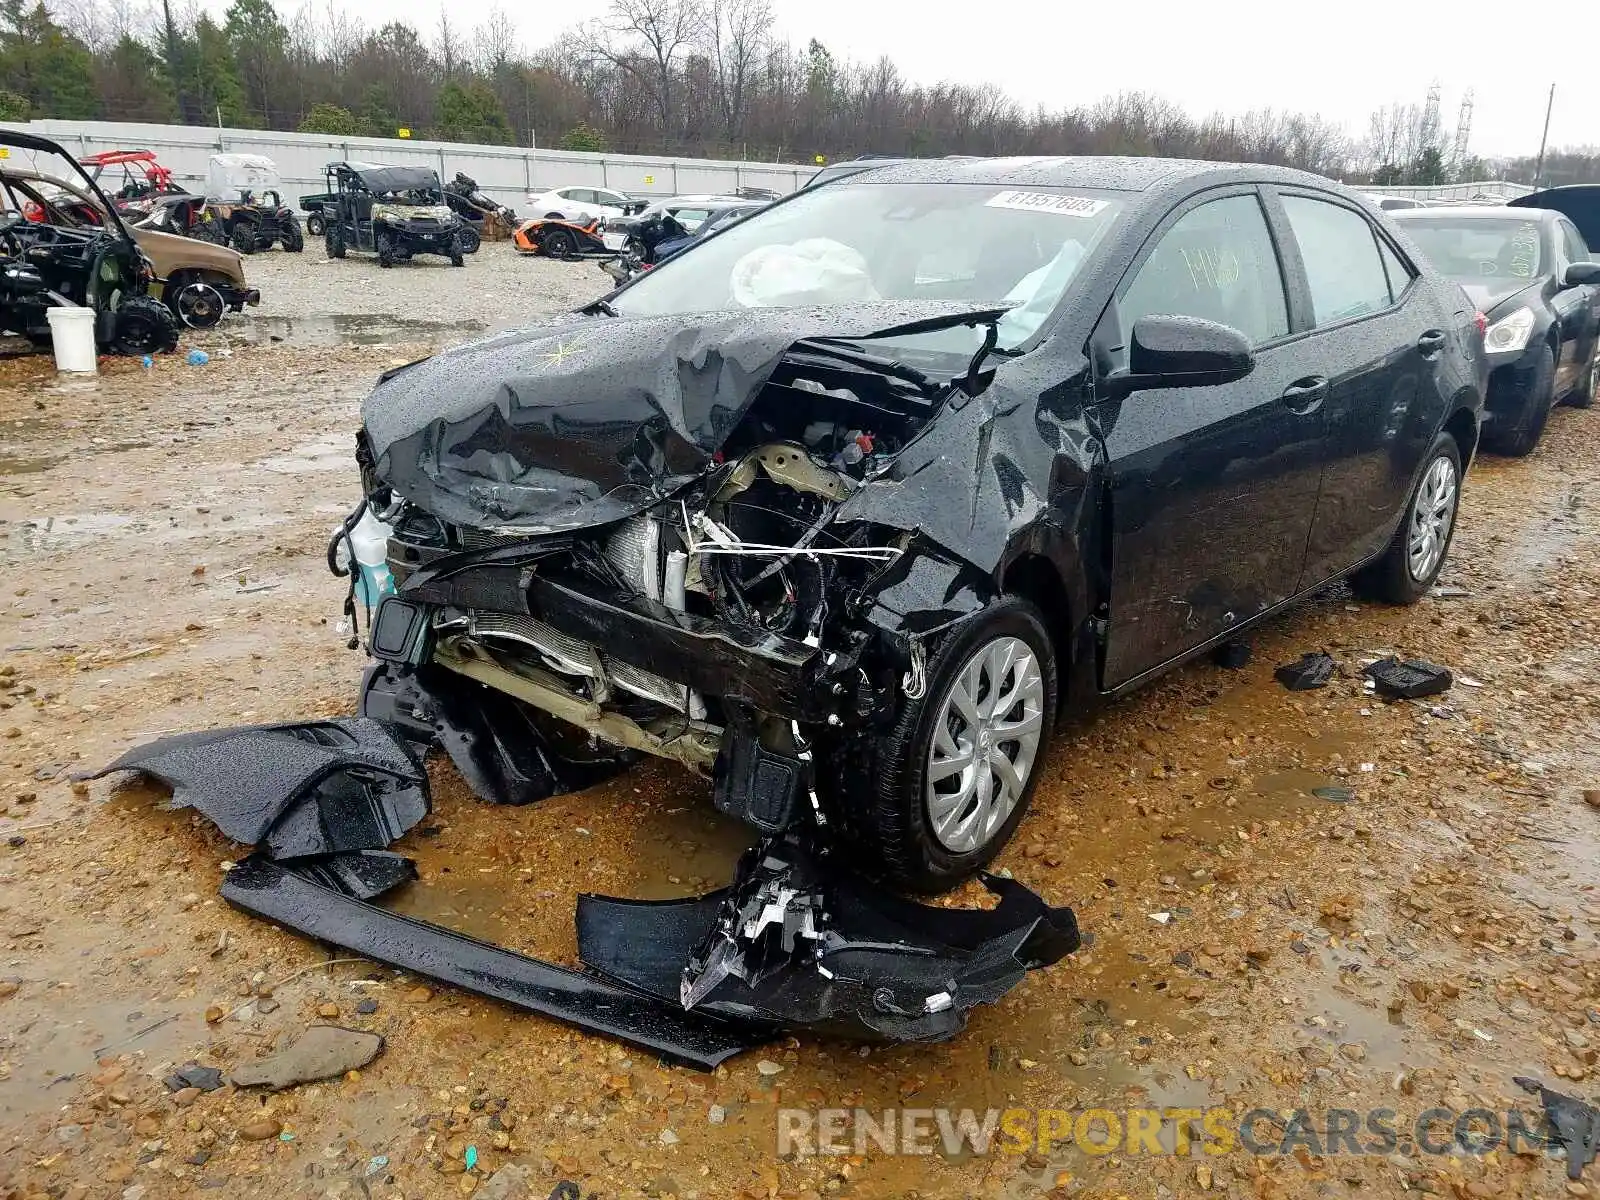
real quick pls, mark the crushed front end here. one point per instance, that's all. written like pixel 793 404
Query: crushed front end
pixel 668 562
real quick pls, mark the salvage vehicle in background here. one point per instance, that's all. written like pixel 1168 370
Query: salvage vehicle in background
pixel 560 239
pixel 45 265
pixel 1531 272
pixel 197 279
pixel 142 177
pixel 245 208
pixel 393 212
pixel 689 211
pixel 583 204
pixel 844 506
pixel 657 236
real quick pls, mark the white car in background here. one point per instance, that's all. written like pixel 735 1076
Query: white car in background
pixel 581 203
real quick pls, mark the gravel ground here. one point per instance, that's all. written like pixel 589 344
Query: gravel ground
pixel 1254 946
pixel 326 299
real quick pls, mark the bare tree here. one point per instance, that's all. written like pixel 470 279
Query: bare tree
pixel 450 48
pixel 645 38
pixel 739 32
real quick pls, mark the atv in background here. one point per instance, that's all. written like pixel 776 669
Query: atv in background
pixel 143 178
pixel 245 208
pixel 484 219
pixel 95 266
pixel 393 212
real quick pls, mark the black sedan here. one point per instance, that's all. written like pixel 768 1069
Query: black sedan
pixel 1531 273
pixel 844 507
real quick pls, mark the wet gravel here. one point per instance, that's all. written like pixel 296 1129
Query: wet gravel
pixel 334 300
pixel 1296 900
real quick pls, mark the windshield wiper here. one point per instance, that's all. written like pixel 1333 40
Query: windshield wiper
pixel 836 348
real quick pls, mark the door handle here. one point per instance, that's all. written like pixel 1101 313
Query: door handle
pixel 1306 395
pixel 1431 343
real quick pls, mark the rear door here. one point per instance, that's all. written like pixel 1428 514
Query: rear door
pixel 1379 335
pixel 1212 488
pixel 1576 307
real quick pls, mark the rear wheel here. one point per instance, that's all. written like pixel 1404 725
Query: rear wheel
pixel 334 239
pixel 385 248
pixel 456 258
pixel 143 325
pixel 559 243
pixel 294 241
pixel 934 799
pixel 315 225
pixel 1516 434
pixel 1416 555
pixel 243 238
pixel 469 239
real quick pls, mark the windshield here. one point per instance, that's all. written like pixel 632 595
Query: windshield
pixel 1479 247
pixel 898 241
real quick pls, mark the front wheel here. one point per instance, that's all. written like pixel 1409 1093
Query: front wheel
pixel 294 240
pixel 1589 387
pixel 385 247
pixel 932 800
pixel 243 239
pixel 470 239
pixel 196 302
pixel 1416 555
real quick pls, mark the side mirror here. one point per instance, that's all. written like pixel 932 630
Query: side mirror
pixel 1172 352
pixel 1580 273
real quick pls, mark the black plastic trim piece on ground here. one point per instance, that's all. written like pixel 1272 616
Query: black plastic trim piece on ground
pixel 276 893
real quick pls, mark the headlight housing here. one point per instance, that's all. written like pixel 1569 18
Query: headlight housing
pixel 1509 333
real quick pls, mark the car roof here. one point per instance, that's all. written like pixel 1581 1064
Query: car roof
pixel 1106 172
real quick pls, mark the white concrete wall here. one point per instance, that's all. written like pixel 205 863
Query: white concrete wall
pixel 1498 188
pixel 505 172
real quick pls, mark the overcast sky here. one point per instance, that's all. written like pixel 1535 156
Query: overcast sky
pixel 1340 60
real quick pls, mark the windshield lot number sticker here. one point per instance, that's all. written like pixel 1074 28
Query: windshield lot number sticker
pixel 1066 206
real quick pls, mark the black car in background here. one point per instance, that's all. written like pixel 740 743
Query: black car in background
pixel 1531 273
pixel 847 504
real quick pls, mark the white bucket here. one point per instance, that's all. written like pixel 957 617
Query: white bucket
pixel 72 338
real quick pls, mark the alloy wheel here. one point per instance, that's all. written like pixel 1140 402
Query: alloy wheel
pixel 1433 513
pixel 985 743
pixel 199 305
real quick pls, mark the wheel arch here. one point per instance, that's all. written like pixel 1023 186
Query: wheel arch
pixel 1463 425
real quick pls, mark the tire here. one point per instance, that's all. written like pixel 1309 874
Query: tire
pixel 315 225
pixel 243 239
pixel 334 239
pixel 635 248
pixel 457 259
pixel 294 241
pixel 559 243
pixel 469 239
pixel 385 248
pixel 194 301
pixel 1585 395
pixel 554 217
pixel 144 325
pixel 876 788
pixel 1516 437
pixel 1398 577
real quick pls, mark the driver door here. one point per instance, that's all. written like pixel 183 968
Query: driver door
pixel 1213 489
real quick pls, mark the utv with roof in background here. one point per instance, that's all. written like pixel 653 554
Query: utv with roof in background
pixel 393 212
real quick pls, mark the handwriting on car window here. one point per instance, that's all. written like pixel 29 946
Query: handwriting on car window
pixel 1211 268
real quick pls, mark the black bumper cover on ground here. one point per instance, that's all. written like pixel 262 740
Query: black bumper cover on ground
pixel 313 907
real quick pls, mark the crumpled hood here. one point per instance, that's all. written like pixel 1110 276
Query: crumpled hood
pixel 1489 294
pixel 583 420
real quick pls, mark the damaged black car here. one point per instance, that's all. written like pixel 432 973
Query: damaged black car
pixel 845 508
